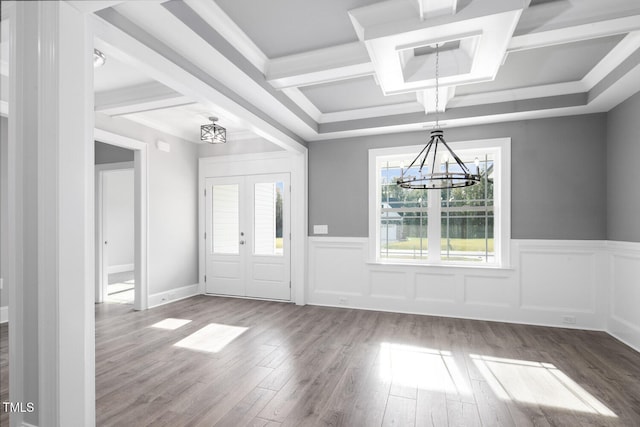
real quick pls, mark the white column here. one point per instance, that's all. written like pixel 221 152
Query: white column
pixel 50 197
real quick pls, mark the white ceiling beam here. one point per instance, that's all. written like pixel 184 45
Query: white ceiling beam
pixel 196 42
pixel 341 62
pixel 90 6
pixel 573 30
pixel 427 98
pixel 431 8
pixel 303 102
pixel 221 22
pixel 136 99
pixel 124 47
pixel 370 112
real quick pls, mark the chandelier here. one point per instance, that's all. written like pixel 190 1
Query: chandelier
pixel 213 133
pixel 455 175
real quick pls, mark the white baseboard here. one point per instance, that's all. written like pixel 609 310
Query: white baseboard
pixel 120 268
pixel 4 314
pixel 172 295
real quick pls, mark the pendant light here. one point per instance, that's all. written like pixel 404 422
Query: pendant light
pixel 456 174
pixel 213 133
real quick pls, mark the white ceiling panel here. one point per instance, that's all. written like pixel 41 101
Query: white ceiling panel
pixel 117 75
pixel 287 27
pixel 352 94
pixel 184 121
pixel 549 65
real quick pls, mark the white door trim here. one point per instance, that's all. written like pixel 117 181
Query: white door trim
pixel 141 222
pixel 101 263
pixel 264 163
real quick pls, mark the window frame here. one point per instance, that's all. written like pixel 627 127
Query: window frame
pixel 501 149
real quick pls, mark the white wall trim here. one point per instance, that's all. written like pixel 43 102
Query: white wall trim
pixel 141 197
pixel 172 295
pixel 341 275
pixel 4 314
pixel 623 291
pixel 500 148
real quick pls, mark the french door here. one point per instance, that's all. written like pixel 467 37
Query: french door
pixel 248 236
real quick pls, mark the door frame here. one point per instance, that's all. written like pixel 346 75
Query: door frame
pixel 101 257
pixel 257 164
pixel 141 219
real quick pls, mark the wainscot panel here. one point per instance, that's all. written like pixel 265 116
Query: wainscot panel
pixel 624 289
pixel 552 283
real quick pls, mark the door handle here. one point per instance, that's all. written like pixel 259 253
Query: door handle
pixel 242 242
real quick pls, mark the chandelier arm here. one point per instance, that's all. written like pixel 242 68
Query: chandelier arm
pixel 428 147
pixel 435 138
pixel 456 158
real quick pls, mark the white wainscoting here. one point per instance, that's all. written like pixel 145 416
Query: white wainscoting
pixel 552 283
pixel 624 289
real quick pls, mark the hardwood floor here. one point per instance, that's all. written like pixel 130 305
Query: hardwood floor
pixel 241 362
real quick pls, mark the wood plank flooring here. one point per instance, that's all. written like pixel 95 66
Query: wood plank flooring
pixel 298 366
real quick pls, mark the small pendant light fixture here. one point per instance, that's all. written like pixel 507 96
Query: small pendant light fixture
pixel 213 133
pixel 454 175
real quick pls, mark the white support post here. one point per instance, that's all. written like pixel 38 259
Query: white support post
pixel 50 196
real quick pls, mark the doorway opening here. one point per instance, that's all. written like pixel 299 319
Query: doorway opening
pixel 115 222
pixel 121 220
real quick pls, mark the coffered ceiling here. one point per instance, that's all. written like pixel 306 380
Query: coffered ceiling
pixel 294 71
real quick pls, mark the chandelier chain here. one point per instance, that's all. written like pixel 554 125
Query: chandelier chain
pixel 437 86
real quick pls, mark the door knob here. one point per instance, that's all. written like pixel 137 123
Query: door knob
pixel 242 242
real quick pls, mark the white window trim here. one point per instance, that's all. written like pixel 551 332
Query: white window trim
pixel 502 200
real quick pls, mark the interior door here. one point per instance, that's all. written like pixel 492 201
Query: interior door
pixel 248 236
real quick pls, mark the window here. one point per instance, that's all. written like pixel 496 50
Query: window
pixel 468 226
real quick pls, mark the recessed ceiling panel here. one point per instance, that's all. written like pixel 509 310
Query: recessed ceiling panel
pixel 352 94
pixel 552 64
pixel 286 27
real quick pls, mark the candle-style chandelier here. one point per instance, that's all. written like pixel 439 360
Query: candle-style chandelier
pixel 454 175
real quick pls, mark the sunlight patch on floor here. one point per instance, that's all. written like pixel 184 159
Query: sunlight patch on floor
pixel 537 383
pixel 170 323
pixel 420 367
pixel 212 338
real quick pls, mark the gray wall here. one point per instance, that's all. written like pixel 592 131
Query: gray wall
pixel 553 193
pixel 4 137
pixel 623 161
pixel 105 153
pixel 173 205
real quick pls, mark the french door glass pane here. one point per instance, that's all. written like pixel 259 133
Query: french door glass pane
pixel 268 221
pixel 226 219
